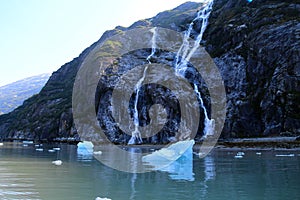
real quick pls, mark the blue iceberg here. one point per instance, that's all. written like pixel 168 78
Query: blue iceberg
pixel 176 159
pixel 85 150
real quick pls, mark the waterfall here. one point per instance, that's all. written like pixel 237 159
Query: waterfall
pixel 153 45
pixel 136 135
pixel 183 56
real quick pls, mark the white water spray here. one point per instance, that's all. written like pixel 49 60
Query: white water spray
pixel 184 55
pixel 136 135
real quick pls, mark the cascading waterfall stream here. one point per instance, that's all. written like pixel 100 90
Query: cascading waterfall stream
pixel 183 56
pixel 136 135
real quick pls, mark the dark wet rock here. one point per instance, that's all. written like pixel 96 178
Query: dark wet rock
pixel 257 46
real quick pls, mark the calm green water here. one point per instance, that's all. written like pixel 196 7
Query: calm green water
pixel 28 174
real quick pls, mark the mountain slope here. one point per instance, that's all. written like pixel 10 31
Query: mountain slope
pixel 13 94
pixel 48 114
pixel 255 45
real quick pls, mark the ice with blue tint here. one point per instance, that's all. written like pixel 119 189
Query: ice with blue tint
pixel 249 1
pixel 176 159
pixel 85 150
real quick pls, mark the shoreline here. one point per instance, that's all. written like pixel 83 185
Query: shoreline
pixel 267 143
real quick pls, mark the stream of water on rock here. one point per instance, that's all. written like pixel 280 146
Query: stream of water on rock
pixel 136 135
pixel 183 56
pixel 186 52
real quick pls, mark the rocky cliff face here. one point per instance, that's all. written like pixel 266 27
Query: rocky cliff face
pixel 255 46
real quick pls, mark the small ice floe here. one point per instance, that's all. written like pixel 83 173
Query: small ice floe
pixel 85 147
pixel 1 144
pixel 57 162
pixel 25 145
pixel 97 152
pixel 285 155
pixel 56 149
pixel 100 198
pixel 39 149
pixel 51 150
pixel 239 155
pixel 85 151
pixel 258 153
pixel 200 154
pixel 175 159
pixel 37 145
pixel 27 142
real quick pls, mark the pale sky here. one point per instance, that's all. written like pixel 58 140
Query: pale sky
pixel 39 36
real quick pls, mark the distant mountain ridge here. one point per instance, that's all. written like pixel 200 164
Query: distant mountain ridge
pixel 12 95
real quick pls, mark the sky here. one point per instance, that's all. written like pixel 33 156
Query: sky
pixel 39 36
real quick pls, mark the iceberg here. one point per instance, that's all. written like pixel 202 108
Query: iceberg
pixel 85 146
pixel 57 162
pixel 85 150
pixel 285 155
pixel 27 142
pixel 99 198
pixel 176 159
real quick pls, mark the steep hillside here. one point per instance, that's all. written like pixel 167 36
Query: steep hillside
pixel 48 114
pixel 255 46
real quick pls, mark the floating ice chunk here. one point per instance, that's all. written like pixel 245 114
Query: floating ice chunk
pixel 171 153
pixel 85 145
pixel 176 159
pixel 168 154
pixel 56 148
pixel 285 155
pixel 238 156
pixel 27 142
pixel 51 150
pixel 97 152
pixel 57 162
pixel 25 145
pixel 37 145
pixel 1 144
pixel 258 153
pixel 85 151
pixel 39 149
pixel 99 198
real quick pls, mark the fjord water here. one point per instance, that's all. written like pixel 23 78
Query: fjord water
pixel 29 174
